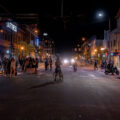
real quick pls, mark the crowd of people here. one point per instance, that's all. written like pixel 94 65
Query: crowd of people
pixel 28 62
pixel 10 66
pixel 48 63
pixel 104 64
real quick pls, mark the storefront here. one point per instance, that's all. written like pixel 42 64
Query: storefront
pixel 115 57
pixel 10 37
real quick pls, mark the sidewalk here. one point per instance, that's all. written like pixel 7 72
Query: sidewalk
pixel 91 68
pixel 87 67
pixel 42 66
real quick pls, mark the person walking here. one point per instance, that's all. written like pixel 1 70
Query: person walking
pixel 12 67
pixel 50 63
pixel 46 64
pixel 95 65
pixel 58 71
pixel 37 62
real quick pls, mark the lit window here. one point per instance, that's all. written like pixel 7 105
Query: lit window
pixel 75 49
pixel 79 49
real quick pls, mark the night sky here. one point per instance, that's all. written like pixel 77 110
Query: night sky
pixel 79 18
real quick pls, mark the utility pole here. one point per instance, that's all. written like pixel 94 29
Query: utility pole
pixel 62 9
pixel 1 6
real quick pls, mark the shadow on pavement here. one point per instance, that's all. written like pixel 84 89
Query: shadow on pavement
pixel 46 84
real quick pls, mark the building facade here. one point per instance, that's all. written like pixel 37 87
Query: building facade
pixel 12 37
pixel 115 42
pixel 97 51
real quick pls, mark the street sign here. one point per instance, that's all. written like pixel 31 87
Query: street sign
pixel 11 26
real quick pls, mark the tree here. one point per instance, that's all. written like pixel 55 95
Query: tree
pixel 27 48
pixel 31 48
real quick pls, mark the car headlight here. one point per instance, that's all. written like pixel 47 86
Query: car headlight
pixel 66 61
pixel 72 60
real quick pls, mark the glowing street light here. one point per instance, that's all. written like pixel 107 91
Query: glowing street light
pixel 102 49
pixel 7 51
pixel 95 50
pixel 45 34
pixel 72 60
pixel 36 31
pixel 1 31
pixel 22 48
pixel 83 38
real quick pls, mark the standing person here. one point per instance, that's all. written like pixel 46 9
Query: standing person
pixel 20 62
pixel 37 62
pixel 58 69
pixel 46 64
pixel 8 65
pixel 95 65
pixel 50 62
pixel 35 65
pixel 105 64
pixel 23 64
pixel 12 67
pixel 75 66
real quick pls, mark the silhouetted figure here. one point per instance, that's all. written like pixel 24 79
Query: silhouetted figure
pixel 46 64
pixel 50 63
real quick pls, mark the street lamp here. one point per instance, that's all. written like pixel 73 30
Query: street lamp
pixel 36 31
pixel 102 49
pixel 83 38
pixel 95 50
pixel 22 48
pixel 45 34
pixel 1 31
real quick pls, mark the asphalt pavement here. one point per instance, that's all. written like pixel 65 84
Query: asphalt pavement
pixel 82 95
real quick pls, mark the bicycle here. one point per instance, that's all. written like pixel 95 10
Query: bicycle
pixel 58 74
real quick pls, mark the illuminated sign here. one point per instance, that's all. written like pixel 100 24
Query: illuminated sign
pixel 45 34
pixel 11 26
pixel 111 54
pixel 7 51
pixel 37 42
pixel 114 54
pixel 104 56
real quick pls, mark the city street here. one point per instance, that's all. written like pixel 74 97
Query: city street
pixel 38 39
pixel 82 95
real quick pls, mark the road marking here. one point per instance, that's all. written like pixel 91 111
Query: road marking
pixel 19 73
pixel 83 76
pixel 92 75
